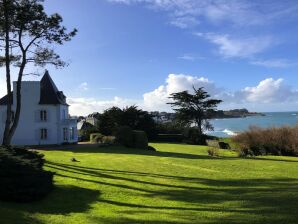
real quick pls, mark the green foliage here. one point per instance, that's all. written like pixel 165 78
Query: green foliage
pixel 194 108
pixel 194 137
pixel 173 127
pixel 111 119
pixel 96 137
pixel 263 141
pixel 169 138
pixel 131 138
pixel 140 140
pixel 22 176
pixel 124 136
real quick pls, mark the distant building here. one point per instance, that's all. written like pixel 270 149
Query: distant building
pixel 162 117
pixel 44 117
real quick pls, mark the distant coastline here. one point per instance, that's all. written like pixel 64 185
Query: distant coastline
pixel 236 113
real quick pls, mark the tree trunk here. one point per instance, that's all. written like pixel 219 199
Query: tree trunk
pixel 19 97
pixel 5 140
pixel 199 123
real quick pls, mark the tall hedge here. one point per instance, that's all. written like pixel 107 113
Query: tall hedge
pixel 22 178
pixel 140 140
pixel 124 136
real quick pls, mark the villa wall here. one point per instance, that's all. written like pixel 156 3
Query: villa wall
pixel 28 130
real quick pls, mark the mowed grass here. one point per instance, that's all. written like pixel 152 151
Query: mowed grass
pixel 177 184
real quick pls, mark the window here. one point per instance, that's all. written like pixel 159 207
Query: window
pixel 43 134
pixel 72 133
pixel 43 115
pixel 65 132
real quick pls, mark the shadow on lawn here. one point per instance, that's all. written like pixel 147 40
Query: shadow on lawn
pixel 123 150
pixel 62 201
pixel 248 201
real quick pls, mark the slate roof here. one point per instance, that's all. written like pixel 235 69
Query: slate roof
pixel 4 100
pixel 49 93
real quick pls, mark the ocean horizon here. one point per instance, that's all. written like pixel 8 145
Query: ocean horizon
pixel 228 127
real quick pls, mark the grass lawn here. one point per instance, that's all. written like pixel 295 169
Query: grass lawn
pixel 177 184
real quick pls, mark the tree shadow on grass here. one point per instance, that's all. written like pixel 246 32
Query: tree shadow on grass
pixel 62 201
pixel 126 151
pixel 271 201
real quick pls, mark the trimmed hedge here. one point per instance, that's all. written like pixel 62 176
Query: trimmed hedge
pixel 169 137
pixel 22 176
pixel 140 140
pixel 132 138
pixel 124 136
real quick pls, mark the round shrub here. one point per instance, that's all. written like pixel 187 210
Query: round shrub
pixel 140 140
pixel 22 176
pixel 96 137
pixel 124 136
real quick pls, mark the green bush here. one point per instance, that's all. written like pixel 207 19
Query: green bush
pixel 140 140
pixel 108 140
pixel 263 141
pixel 124 136
pixel 22 176
pixel 96 137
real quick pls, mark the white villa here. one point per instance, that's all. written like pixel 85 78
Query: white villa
pixel 44 118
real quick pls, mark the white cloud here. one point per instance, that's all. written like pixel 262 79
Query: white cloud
pixel 267 95
pixel 269 91
pixel 187 13
pixel 190 57
pixel 84 86
pixel 158 98
pixel 238 47
pixel 85 106
pixel 274 63
pixel 187 57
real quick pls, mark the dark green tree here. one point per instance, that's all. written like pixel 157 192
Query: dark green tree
pixel 113 118
pixel 109 120
pixel 28 35
pixel 194 108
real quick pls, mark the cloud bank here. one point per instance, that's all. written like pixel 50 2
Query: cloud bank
pixel 268 95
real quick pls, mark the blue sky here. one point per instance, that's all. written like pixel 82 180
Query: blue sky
pixel 139 51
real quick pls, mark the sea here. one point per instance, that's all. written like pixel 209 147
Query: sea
pixel 228 127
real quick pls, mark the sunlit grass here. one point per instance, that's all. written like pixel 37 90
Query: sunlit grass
pixel 177 184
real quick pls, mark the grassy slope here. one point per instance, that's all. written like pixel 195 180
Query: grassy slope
pixel 178 184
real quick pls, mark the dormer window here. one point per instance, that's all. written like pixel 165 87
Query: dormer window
pixel 43 115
